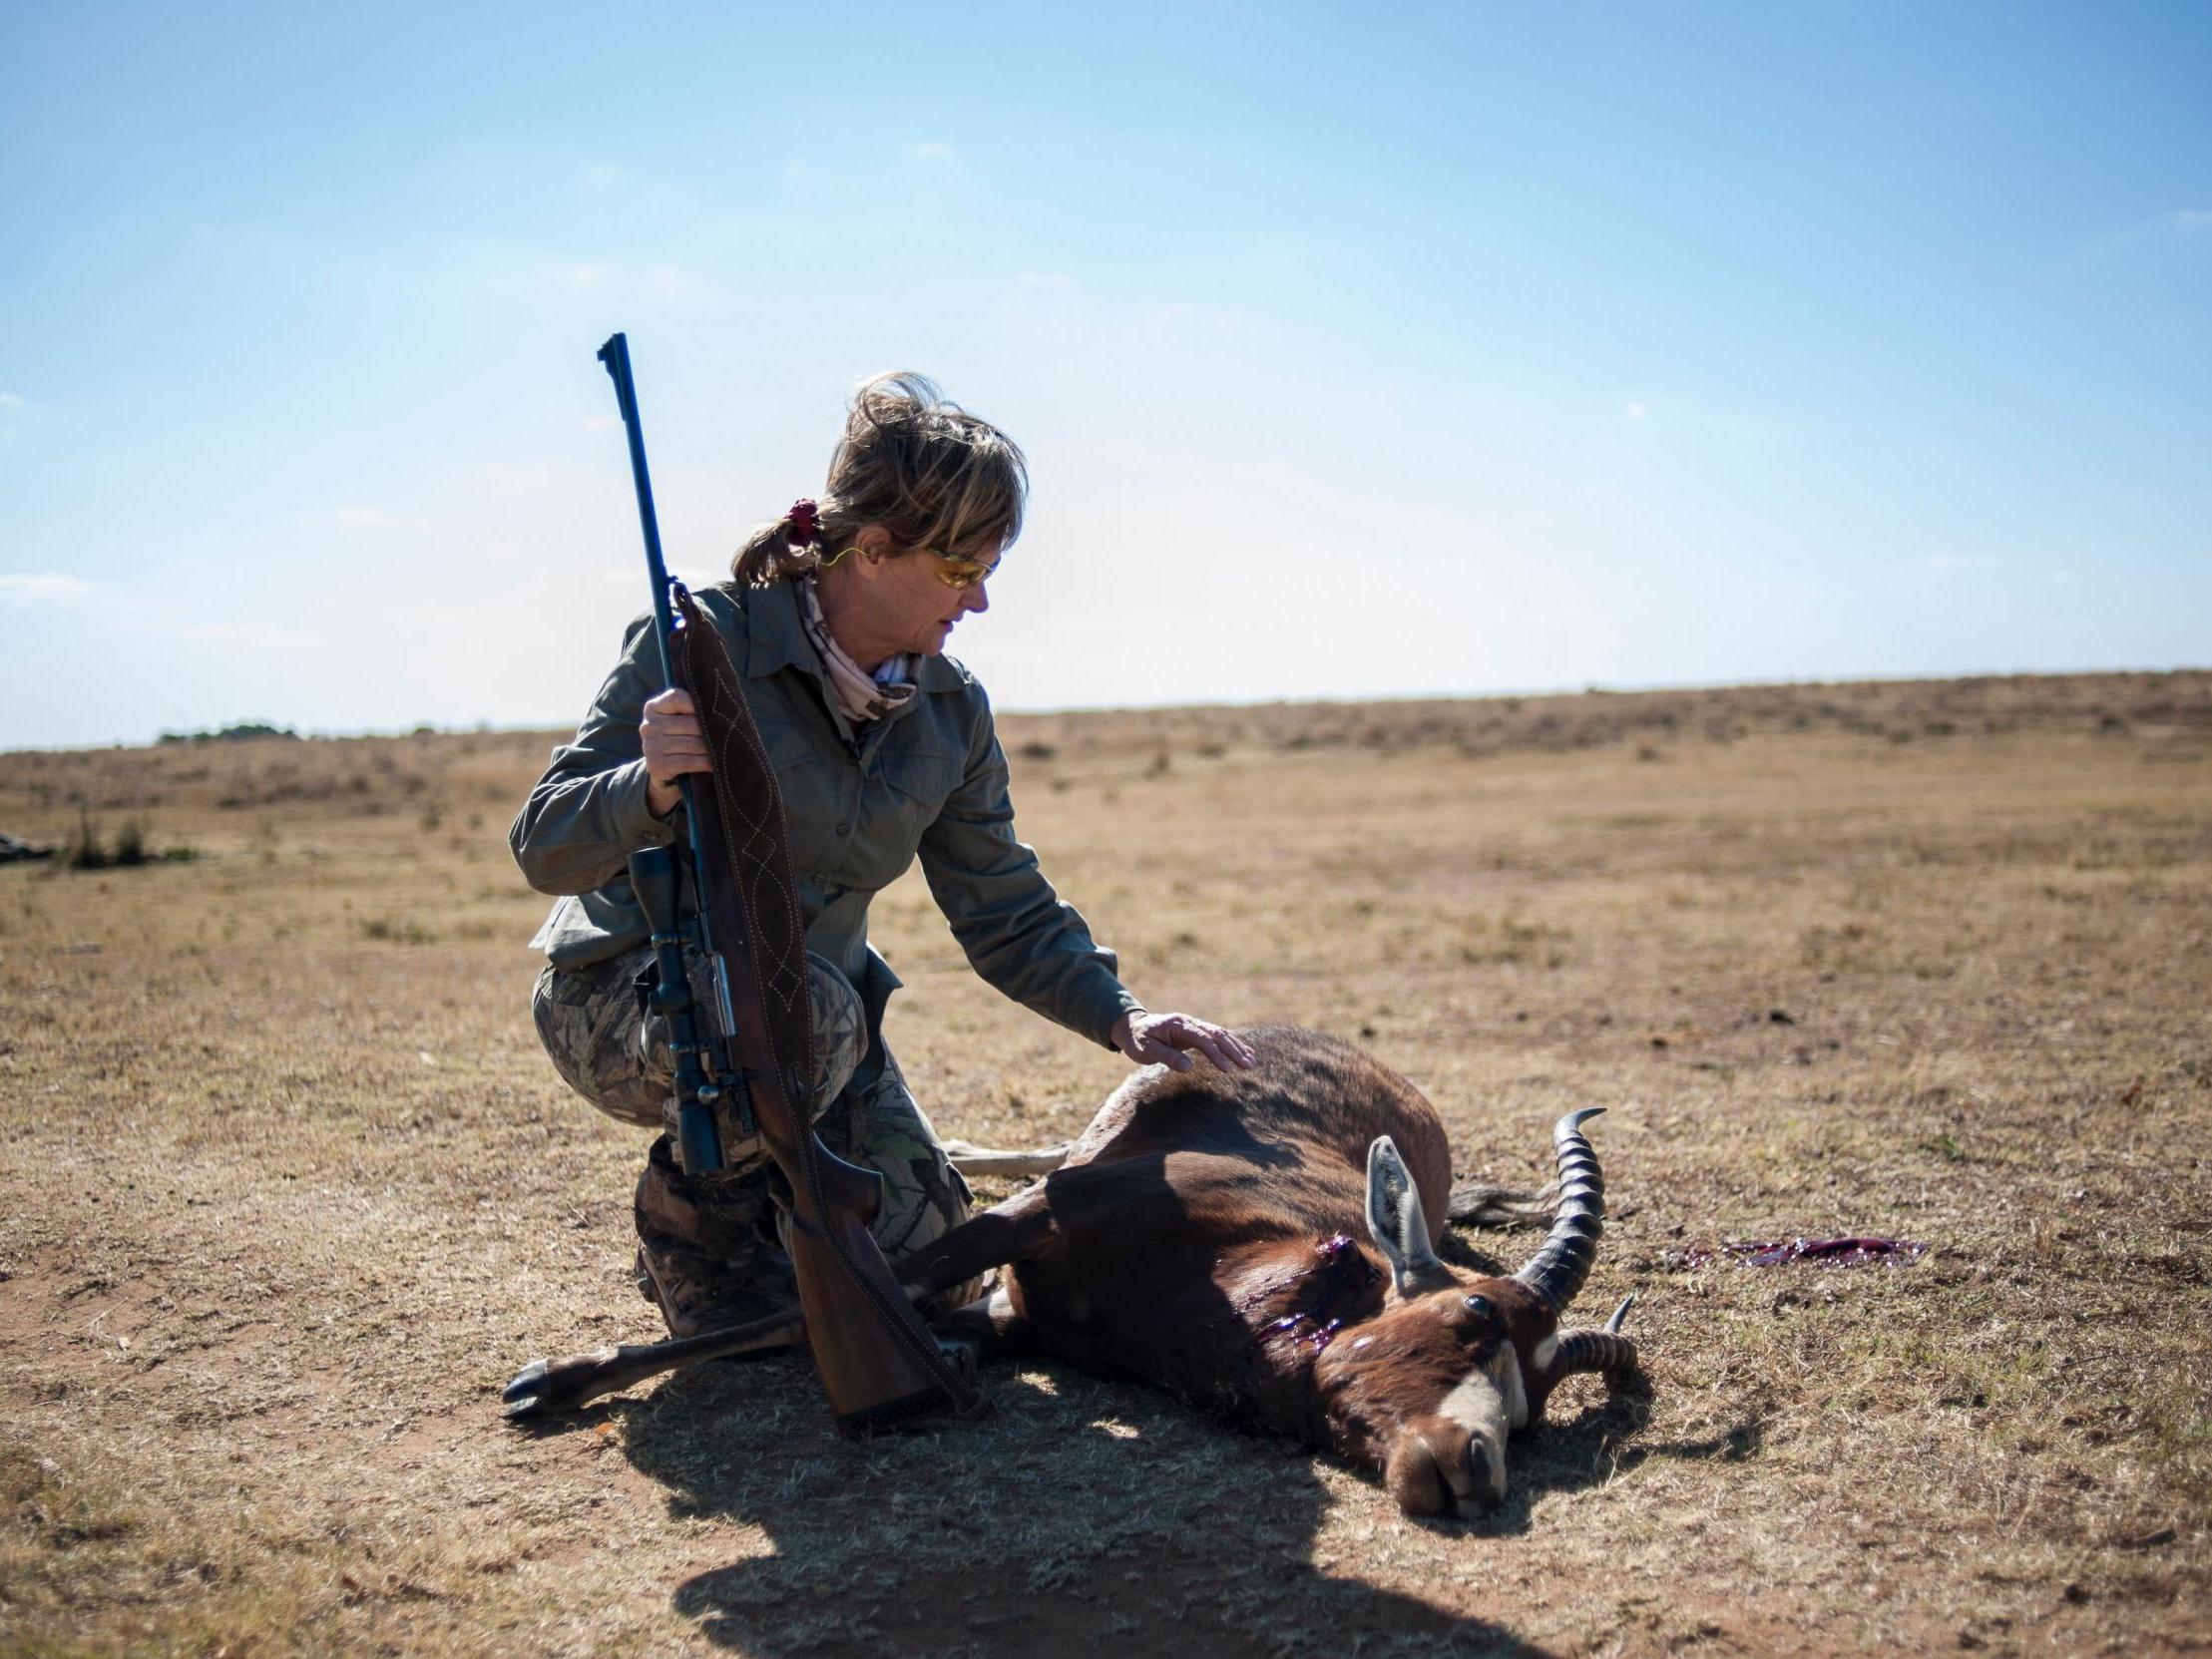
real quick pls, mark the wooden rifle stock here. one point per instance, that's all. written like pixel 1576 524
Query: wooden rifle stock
pixel 879 1364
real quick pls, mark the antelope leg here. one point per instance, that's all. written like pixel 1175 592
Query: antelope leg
pixel 971 1159
pixel 989 1324
pixel 548 1388
pixel 1479 1205
pixel 1018 1228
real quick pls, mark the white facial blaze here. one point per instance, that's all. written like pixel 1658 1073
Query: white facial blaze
pixel 1490 1404
pixel 1507 1369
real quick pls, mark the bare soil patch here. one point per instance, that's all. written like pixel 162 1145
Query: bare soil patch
pixel 287 1192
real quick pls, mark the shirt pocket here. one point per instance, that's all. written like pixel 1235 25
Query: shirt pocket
pixel 793 744
pixel 919 783
pixel 809 783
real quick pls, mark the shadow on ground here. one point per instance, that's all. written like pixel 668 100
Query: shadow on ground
pixel 1085 1517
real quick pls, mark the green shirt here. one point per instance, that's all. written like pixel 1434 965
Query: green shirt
pixel 928 780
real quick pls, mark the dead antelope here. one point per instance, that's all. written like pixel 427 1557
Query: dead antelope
pixel 1200 1238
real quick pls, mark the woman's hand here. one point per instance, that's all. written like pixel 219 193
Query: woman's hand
pixel 673 744
pixel 1162 1038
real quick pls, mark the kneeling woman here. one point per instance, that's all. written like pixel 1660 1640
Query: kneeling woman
pixel 836 618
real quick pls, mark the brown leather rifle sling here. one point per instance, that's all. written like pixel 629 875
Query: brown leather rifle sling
pixel 880 1366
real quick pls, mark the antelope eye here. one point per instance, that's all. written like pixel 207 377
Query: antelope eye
pixel 1479 1306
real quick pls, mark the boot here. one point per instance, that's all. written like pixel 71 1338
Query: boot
pixel 708 1255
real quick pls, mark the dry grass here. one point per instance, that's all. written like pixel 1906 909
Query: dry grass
pixel 286 1192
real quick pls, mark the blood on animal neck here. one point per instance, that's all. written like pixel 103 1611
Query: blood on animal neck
pixel 1318 1290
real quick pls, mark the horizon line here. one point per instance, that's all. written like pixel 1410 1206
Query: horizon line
pixel 485 728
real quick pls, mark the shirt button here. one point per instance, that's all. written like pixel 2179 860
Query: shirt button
pixel 844 829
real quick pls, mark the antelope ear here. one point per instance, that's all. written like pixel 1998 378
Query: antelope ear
pixel 1398 1223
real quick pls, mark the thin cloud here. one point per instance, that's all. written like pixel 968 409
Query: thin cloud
pixel 678 282
pixel 518 478
pixel 21 591
pixel 244 635
pixel 1948 561
pixel 2147 234
pixel 614 278
pixel 932 149
pixel 365 518
pixel 11 400
pixel 1637 411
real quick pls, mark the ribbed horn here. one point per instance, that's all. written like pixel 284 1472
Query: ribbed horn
pixel 1580 1350
pixel 1558 1270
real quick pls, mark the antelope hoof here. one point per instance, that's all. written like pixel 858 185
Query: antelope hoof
pixel 522 1397
pixel 548 1388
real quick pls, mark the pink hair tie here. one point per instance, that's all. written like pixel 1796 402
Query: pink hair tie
pixel 803 517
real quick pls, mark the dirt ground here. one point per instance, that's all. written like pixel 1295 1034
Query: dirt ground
pixel 287 1192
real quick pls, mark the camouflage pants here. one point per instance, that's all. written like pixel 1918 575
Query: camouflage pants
pixel 614 1050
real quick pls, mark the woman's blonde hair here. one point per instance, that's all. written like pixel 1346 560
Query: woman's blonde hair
pixel 912 461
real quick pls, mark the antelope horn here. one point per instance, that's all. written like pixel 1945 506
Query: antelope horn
pixel 1558 1271
pixel 1606 1351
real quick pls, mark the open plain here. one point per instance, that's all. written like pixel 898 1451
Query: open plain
pixel 288 1191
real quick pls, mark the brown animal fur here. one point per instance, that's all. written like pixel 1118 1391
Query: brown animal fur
pixel 1200 1238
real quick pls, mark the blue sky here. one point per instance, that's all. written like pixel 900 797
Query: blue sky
pixel 1357 352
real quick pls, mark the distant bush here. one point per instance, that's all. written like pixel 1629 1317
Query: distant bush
pixel 248 731
pixel 84 850
pixel 87 851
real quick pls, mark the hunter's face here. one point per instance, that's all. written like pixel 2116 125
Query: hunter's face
pixel 922 606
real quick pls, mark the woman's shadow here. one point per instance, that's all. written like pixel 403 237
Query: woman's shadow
pixel 1082 1515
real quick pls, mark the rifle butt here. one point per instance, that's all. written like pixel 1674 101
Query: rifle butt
pixel 876 1382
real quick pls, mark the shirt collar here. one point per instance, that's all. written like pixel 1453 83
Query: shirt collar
pixel 943 673
pixel 777 636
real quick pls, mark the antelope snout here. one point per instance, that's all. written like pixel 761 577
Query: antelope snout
pixel 1443 1468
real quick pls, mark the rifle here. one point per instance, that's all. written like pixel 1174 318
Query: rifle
pixel 879 1364
pixel 653 869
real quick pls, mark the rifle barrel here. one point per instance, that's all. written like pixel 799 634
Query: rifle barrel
pixel 616 355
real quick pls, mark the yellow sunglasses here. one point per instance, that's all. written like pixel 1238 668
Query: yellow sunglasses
pixel 955 572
